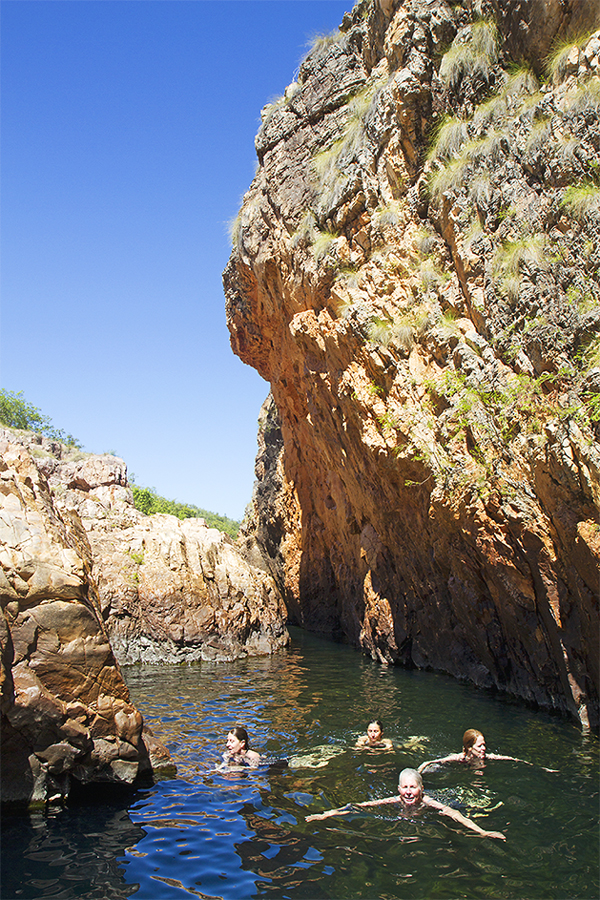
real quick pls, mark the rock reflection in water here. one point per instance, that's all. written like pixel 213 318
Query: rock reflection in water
pixel 68 853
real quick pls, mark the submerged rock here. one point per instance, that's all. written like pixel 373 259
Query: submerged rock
pixel 416 273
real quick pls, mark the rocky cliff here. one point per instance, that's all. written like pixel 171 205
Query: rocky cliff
pixel 416 273
pixel 66 715
pixel 88 582
pixel 169 590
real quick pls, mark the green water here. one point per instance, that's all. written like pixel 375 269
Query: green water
pixel 214 834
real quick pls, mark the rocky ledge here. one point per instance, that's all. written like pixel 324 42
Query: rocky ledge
pixel 416 272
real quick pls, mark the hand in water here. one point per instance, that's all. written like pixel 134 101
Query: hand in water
pixel 494 834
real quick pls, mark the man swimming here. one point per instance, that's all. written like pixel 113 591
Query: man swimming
pixel 412 797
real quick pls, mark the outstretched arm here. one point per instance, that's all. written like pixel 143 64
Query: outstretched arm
pixel 516 759
pixel 349 807
pixel 510 758
pixel 462 820
pixel 452 757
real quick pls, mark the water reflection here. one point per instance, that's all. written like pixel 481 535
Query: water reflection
pixel 67 853
pixel 234 835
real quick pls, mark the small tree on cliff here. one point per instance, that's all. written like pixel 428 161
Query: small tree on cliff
pixel 16 412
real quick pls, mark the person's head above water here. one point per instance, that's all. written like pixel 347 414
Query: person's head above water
pixel 410 787
pixel 375 731
pixel 238 740
pixel 473 744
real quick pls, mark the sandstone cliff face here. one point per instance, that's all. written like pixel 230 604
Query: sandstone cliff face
pixel 170 591
pixel 65 709
pixel 416 273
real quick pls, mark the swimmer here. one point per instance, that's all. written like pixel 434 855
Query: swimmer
pixel 412 797
pixel 473 753
pixel 238 751
pixel 374 738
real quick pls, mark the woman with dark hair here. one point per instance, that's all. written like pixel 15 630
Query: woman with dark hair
pixel 473 752
pixel 411 797
pixel 374 738
pixel 238 751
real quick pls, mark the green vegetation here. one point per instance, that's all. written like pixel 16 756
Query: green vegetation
pixel 388 214
pixel 585 99
pixel 474 57
pixel 450 177
pixel 556 62
pixel 323 243
pixel 581 200
pixel 306 230
pixel 448 138
pixel 330 163
pixel 16 412
pixel 321 41
pixel 512 256
pixel 234 229
pixel 149 502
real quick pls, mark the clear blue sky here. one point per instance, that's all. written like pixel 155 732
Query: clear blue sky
pixel 127 142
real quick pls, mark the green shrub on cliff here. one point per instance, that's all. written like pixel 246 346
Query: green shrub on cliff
pixel 582 200
pixel 473 56
pixel 149 502
pixel 16 412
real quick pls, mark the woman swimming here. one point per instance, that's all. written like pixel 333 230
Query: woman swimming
pixel 412 797
pixel 374 738
pixel 238 751
pixel 473 752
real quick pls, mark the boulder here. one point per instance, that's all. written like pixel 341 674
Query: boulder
pixel 62 692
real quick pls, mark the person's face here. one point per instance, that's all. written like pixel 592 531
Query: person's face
pixel 374 732
pixel 410 790
pixel 477 751
pixel 234 744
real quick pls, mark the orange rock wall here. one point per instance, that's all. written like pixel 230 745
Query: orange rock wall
pixel 428 472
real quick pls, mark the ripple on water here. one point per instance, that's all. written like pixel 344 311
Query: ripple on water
pixel 244 835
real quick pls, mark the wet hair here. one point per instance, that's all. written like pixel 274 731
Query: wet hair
pixel 241 734
pixel 375 722
pixel 411 773
pixel 469 738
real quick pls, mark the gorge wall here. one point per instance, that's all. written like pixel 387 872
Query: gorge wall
pixel 87 583
pixel 415 271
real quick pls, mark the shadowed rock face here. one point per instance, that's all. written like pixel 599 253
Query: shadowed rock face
pixel 65 709
pixel 426 310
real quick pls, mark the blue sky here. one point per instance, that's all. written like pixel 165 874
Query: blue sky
pixel 127 142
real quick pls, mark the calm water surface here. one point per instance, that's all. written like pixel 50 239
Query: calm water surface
pixel 223 835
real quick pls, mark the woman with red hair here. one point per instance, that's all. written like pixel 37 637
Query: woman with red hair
pixel 473 753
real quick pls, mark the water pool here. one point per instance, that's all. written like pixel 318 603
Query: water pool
pixel 214 834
